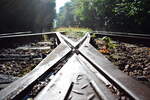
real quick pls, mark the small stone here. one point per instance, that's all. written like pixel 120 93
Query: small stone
pixel 147 68
pixel 127 66
pixel 59 92
pixel 79 77
pixel 141 78
pixel 123 98
pixel 2 66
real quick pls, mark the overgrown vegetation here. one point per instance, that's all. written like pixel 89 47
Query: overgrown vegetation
pixel 74 31
pixel 105 44
pixel 110 15
pixel 109 43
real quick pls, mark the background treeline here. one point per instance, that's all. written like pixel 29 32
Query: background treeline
pixel 26 15
pixel 110 15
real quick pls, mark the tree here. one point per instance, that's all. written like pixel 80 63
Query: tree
pixel 66 17
pixel 112 15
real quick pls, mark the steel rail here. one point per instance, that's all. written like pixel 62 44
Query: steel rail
pixel 21 84
pixel 113 74
pixel 120 34
pixel 26 34
pixel 84 76
pixel 15 33
pixel 66 78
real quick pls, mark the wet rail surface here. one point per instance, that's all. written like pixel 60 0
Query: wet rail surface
pixel 75 71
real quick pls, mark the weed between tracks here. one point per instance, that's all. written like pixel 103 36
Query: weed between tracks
pixel 132 59
pixel 74 33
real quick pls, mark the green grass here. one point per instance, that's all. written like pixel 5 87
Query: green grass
pixel 109 43
pixel 45 38
pixel 73 31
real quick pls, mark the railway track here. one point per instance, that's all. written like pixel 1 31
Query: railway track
pixel 23 34
pixel 133 38
pixel 75 71
pixel 18 38
pixel 121 34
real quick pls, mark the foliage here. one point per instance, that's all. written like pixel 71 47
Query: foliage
pixel 73 29
pixel 111 15
pixel 109 43
pixel 93 36
pixel 78 32
pixel 66 17
pixel 104 51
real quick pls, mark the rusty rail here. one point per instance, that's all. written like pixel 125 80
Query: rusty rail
pixel 83 74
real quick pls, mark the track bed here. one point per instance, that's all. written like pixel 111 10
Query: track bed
pixel 75 71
